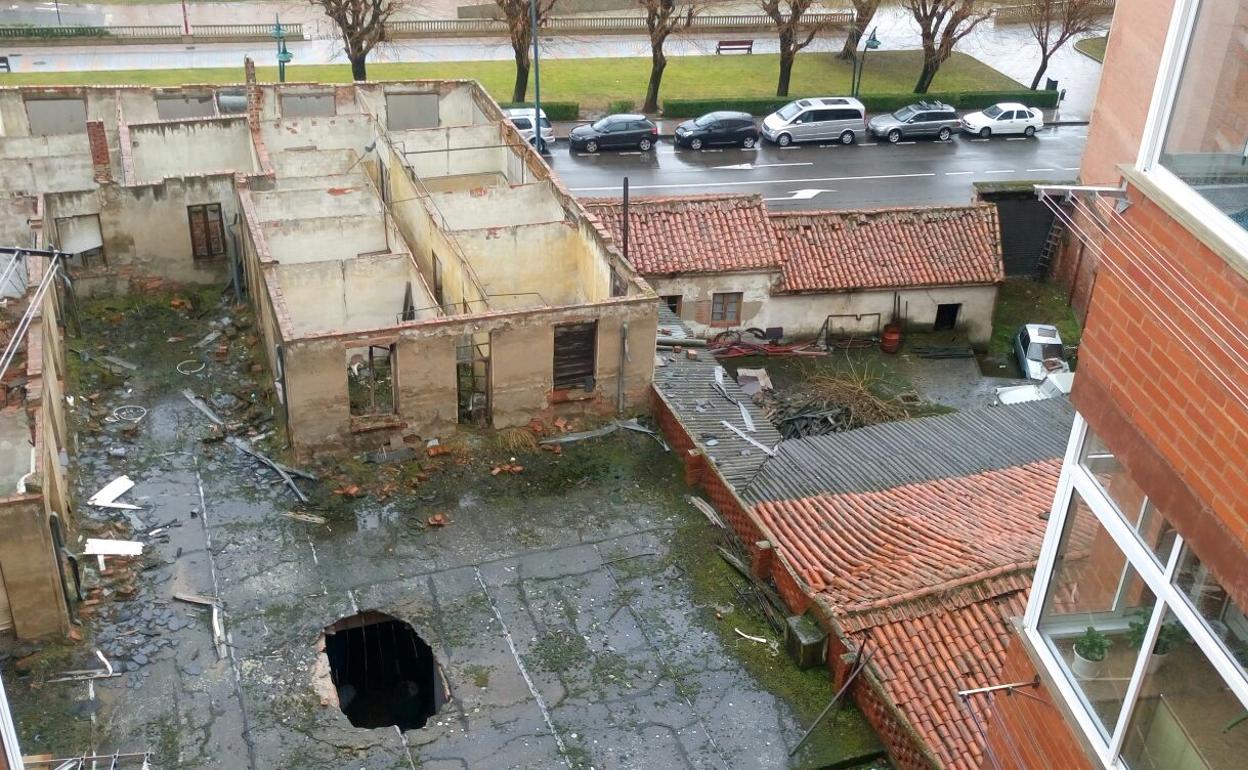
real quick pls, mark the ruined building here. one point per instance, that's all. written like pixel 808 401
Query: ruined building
pixel 413 265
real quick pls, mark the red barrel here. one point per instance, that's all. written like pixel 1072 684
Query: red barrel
pixel 890 342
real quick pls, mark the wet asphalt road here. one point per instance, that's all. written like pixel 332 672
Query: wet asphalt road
pixel 829 176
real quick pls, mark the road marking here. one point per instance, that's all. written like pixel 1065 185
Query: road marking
pixel 903 142
pixel 1000 171
pixel 1039 169
pixel 958 173
pixel 747 166
pixel 1070 168
pixel 634 152
pixel 979 140
pixel 868 144
pixel 800 195
pixel 791 147
pixel 746 182
pixel 713 150
pixel 1017 138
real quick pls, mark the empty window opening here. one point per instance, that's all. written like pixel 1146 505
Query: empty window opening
pixel 207 231
pixel 231 101
pixel 409 304
pixel 946 317
pixel 726 308
pixel 80 237
pixel 181 107
pixel 472 376
pixel 619 287
pixel 48 117
pixel 576 348
pixel 673 302
pixel 385 674
pixel 437 280
pixel 370 380
pixel 411 111
pixel 308 105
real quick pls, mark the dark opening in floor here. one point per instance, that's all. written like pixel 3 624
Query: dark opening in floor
pixel 384 672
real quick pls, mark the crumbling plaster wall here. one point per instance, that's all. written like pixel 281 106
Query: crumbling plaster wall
pixel 101 104
pixel 697 291
pixel 455 103
pixel 499 206
pixel 306 163
pixel 146 230
pixel 553 260
pixel 437 152
pixel 27 560
pixel 191 147
pixel 345 132
pixel 350 197
pixel 37 164
pixel 305 239
pixel 352 294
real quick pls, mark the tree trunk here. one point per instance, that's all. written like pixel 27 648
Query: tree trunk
pixel 787 54
pixel 658 62
pixel 522 75
pixel 852 38
pixel 358 69
pixel 930 66
pixel 1044 66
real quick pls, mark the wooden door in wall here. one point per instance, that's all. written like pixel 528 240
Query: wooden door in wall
pixel 207 231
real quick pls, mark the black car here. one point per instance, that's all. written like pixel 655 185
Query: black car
pixel 718 128
pixel 615 132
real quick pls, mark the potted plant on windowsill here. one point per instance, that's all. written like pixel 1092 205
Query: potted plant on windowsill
pixel 1169 636
pixel 1090 652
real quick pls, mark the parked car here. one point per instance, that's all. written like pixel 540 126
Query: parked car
pixel 522 119
pixel 717 128
pixel 615 132
pixel 923 119
pixel 1003 118
pixel 830 118
pixel 1039 350
pixel 1052 386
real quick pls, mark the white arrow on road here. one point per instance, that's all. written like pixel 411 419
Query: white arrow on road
pixel 747 166
pixel 800 195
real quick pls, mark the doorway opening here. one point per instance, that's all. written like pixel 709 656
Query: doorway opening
pixel 385 674
pixel 946 317
pixel 472 375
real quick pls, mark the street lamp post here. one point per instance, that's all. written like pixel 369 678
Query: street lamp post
pixel 538 141
pixel 283 56
pixel 860 62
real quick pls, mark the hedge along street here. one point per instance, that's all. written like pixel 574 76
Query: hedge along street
pixel 595 84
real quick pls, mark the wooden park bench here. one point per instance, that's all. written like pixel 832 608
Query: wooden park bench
pixel 734 45
pixel 4 64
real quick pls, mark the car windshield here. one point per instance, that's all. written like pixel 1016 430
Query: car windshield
pixel 903 114
pixel 705 120
pixel 1040 351
pixel 993 111
pixel 545 122
pixel 602 124
pixel 788 111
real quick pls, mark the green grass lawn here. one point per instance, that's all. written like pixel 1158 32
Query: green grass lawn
pixel 595 82
pixel 1093 46
pixel 1021 301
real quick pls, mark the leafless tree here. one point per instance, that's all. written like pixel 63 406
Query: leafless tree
pixel 1055 22
pixel 662 19
pixel 864 12
pixel 362 24
pixel 520 28
pixel 942 23
pixel 795 34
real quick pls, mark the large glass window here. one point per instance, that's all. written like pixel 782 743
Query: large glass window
pixel 1215 605
pixel 1185 717
pixel 1206 137
pixel 1095 614
pixel 1127 497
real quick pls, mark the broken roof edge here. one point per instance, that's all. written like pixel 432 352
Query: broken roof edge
pixel 845 213
pixel 782 291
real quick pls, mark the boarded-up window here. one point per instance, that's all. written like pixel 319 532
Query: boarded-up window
pixel 207 231
pixel 49 117
pixel 576 347
pixel 80 237
pixel 726 308
pixel 308 105
pixel 411 111
pixel 185 106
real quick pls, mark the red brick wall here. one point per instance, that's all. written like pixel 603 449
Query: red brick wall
pixel 1162 380
pixel 1025 729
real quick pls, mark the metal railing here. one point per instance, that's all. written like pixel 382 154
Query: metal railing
pixel 150 32
pixel 1020 14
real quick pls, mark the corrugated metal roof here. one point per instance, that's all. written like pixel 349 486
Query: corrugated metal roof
pixel 880 457
pixel 670 324
pixel 688 388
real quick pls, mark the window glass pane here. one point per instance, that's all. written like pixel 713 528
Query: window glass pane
pixel 1207 134
pixel 1223 614
pixel 1095 611
pixel 1155 532
pixel 1185 716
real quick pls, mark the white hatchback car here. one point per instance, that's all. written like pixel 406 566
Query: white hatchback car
pixel 1003 118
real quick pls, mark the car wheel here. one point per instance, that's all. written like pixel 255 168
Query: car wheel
pixel 646 144
pixel 784 140
pixel 944 135
pixel 591 146
pixel 894 136
pixel 748 142
pixel 985 132
pixel 694 144
pixel 1029 131
pixel 847 137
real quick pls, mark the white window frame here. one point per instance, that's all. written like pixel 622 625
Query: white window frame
pixel 1159 579
pixel 1180 193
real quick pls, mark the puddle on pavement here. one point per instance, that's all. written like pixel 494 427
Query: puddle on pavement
pixel 385 674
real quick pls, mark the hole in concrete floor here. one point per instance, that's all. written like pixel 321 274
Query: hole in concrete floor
pixel 385 674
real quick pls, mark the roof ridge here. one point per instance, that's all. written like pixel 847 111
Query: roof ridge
pixel 964 207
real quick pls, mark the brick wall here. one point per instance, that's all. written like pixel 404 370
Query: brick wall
pixel 98 140
pixel 1163 367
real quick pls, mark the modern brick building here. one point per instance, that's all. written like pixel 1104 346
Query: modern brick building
pixel 1145 560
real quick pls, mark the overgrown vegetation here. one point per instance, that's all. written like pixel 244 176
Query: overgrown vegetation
pixel 1021 301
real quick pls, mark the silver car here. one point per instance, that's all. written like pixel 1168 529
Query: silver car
pixel 924 119
pixel 522 119
pixel 830 118
pixel 1039 351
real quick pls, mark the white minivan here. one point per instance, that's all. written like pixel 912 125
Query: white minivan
pixel 522 118
pixel 830 118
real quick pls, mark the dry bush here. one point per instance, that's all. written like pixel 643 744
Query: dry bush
pixel 517 440
pixel 858 392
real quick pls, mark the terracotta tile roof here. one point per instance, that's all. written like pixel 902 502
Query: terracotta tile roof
pixel 693 234
pixel 885 248
pixel 935 569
